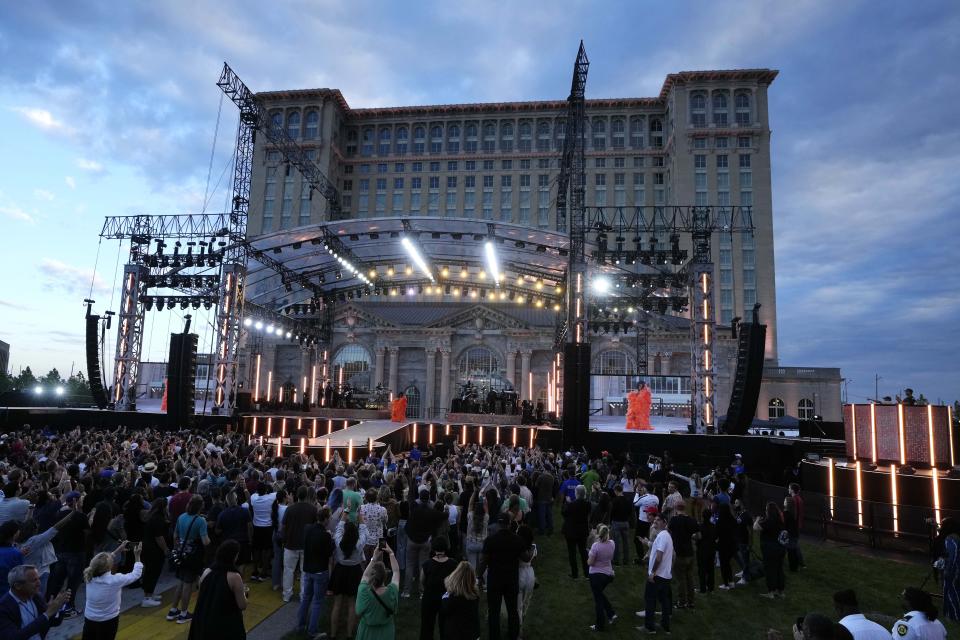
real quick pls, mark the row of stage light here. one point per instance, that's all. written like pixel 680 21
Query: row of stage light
pixel 203 258
pixel 149 302
pixel 553 384
pixel 281 331
pixel 416 437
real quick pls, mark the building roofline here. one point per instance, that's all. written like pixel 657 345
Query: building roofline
pixel 763 76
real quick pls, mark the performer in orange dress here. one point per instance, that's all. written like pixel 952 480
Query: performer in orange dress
pixel 638 409
pixel 398 410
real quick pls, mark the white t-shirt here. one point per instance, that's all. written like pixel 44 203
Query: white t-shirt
pixel 642 502
pixel 261 509
pixel 915 626
pixel 862 629
pixel 663 543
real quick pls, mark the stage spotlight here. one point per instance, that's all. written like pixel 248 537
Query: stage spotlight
pixel 147 303
pixel 258 326
pixel 270 329
pixel 417 258
pixel 58 391
pixel 38 390
pixel 289 334
pixel 464 274
pixel 171 303
pixel 492 264
pixel 600 285
pixel 195 304
pixel 247 322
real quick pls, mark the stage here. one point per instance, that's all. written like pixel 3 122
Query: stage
pixel 618 424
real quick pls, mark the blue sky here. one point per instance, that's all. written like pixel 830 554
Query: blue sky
pixel 110 108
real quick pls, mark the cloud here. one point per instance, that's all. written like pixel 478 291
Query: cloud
pixel 89 165
pixel 43 194
pixel 16 213
pixel 66 278
pixel 71 182
pixel 42 119
pixel 14 305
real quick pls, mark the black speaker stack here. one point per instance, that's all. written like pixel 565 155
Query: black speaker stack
pixel 94 375
pixel 746 382
pixel 181 378
pixel 576 394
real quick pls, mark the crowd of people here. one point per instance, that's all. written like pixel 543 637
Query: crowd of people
pixel 101 511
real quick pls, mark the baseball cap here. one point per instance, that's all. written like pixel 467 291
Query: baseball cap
pixel 72 496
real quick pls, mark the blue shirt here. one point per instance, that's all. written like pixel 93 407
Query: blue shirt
pixel 10 557
pixel 569 489
pixel 415 454
pixel 199 527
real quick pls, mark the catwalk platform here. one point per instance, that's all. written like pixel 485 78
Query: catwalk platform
pixel 618 424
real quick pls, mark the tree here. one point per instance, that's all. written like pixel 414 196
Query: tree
pixel 26 379
pixel 52 379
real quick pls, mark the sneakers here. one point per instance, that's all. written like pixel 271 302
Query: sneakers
pixel 405 594
pixel 612 619
pixel 770 595
pixel 255 578
pixel 72 612
pixel 173 613
pixel 738 574
pixel 150 601
pixel 185 618
pixel 725 587
pixel 741 581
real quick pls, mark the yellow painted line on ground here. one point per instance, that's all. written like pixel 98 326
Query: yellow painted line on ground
pixel 139 623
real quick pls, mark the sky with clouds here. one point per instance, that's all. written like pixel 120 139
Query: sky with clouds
pixel 110 108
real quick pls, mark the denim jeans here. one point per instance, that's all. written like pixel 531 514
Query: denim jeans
pixel 545 517
pixel 603 608
pixel 658 590
pixel 473 553
pixel 417 554
pixel 313 590
pixel 620 532
pixel 67 572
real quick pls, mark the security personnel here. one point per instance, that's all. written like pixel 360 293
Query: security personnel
pixel 921 622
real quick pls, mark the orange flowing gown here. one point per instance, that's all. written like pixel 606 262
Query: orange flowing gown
pixel 398 410
pixel 638 410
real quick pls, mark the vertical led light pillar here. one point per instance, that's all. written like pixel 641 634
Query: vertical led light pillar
pixel 903 447
pixel 701 338
pixel 830 486
pixel 893 498
pixel 873 432
pixel 853 426
pixel 256 381
pixel 859 496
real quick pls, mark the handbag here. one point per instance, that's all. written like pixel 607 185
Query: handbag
pixel 185 550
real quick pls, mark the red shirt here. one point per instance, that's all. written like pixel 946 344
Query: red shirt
pixel 178 504
pixel 798 504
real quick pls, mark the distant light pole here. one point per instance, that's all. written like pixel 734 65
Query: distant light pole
pixel 876 387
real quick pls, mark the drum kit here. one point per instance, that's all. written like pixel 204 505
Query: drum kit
pixel 471 399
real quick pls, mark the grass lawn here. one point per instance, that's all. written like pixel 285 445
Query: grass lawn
pixel 563 608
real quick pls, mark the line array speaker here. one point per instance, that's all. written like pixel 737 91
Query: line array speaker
pixel 746 382
pixel 576 394
pixel 94 375
pixel 181 377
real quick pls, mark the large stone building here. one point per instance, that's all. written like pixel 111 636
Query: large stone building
pixel 704 140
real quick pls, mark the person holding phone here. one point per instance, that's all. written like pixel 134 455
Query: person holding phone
pixel 432 575
pixel 377 599
pixel 101 614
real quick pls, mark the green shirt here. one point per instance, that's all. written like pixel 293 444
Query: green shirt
pixel 352 500
pixel 589 478
pixel 376 623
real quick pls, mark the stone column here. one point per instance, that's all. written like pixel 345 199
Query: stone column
pixel 431 375
pixel 512 367
pixel 665 363
pixel 394 362
pixel 525 391
pixel 378 367
pixel 444 381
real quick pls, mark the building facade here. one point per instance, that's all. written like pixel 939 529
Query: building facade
pixel 4 357
pixel 704 141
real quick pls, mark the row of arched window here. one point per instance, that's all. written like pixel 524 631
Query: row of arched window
pixel 719 103
pixel 297 125
pixel 777 409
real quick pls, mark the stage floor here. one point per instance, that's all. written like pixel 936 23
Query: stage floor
pixel 617 424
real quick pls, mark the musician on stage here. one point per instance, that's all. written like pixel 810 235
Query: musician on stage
pixel 638 409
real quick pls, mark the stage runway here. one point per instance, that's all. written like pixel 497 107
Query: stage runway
pixel 618 424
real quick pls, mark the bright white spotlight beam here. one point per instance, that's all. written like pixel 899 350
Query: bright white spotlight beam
pixel 601 285
pixel 416 257
pixel 492 265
